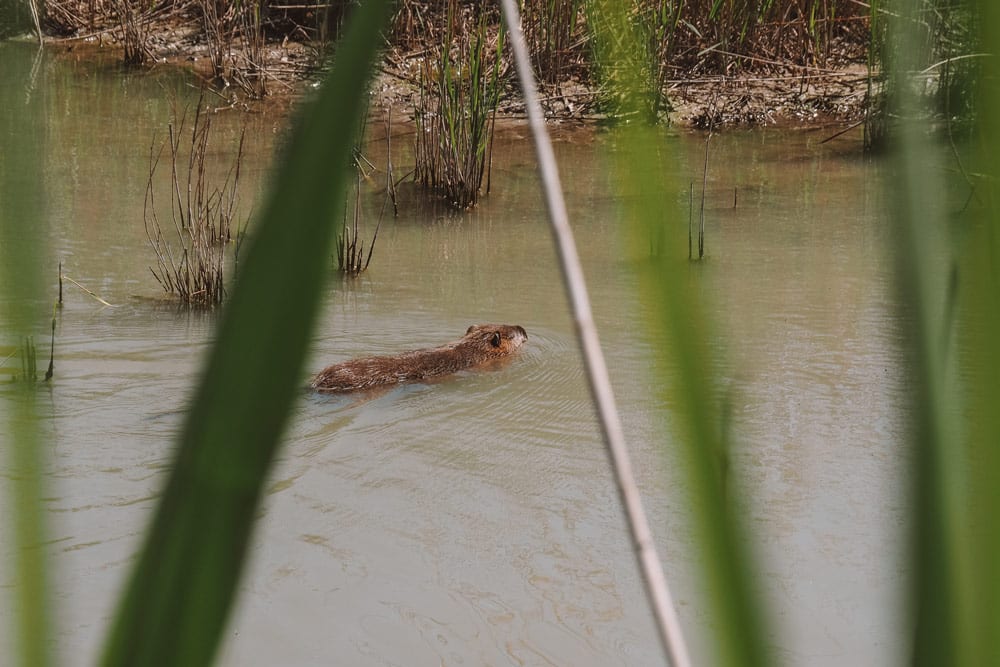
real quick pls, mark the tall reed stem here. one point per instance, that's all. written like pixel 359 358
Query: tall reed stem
pixel 667 622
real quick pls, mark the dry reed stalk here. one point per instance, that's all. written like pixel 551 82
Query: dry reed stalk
pixel 690 216
pixel 219 31
pixel 668 624
pixel 92 294
pixel 52 350
pixel 134 25
pixel 65 17
pixel 704 186
pixel 234 33
pixel 390 179
pixel 415 24
pixel 36 20
pixel 251 75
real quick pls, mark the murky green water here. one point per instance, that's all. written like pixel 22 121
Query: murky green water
pixel 474 521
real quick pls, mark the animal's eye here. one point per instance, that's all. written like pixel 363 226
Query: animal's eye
pixel 495 341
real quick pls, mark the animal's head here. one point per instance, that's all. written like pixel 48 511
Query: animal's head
pixel 498 339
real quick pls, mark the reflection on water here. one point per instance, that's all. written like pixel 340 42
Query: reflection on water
pixel 474 521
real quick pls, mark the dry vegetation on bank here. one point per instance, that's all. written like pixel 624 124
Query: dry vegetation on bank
pixel 445 66
pixel 708 62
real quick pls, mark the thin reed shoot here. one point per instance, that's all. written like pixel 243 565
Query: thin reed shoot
pixel 352 260
pixel 29 360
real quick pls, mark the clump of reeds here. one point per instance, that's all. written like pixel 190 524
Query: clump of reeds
pixel 948 65
pixel 768 35
pixel 456 111
pixel 658 35
pixel 133 21
pixel 251 71
pixel 227 24
pixel 877 90
pixel 218 30
pixel 553 33
pixel 352 260
pixel 627 87
pixel 191 261
pixel 232 33
pixel 28 354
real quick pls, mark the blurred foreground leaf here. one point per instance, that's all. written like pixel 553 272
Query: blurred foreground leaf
pixel 949 286
pixel 22 311
pixel 671 285
pixel 182 588
pixel 682 336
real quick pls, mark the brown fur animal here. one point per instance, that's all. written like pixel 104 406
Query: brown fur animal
pixel 481 344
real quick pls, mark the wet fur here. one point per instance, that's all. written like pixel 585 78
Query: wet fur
pixel 481 344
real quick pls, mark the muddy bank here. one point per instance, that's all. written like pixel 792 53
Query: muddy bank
pixel 805 97
pixel 274 73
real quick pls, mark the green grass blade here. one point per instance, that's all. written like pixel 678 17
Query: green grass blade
pixel 947 278
pixel 919 281
pixel 657 589
pixel 982 312
pixel 682 335
pixel 179 595
pixel 919 237
pixel 22 239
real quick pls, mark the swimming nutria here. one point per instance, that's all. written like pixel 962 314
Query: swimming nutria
pixel 482 343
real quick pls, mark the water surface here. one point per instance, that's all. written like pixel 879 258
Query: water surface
pixel 474 521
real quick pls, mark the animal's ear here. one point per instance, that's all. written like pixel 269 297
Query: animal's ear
pixel 470 329
pixel 495 340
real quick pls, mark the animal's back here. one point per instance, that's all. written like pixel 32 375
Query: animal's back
pixel 481 344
